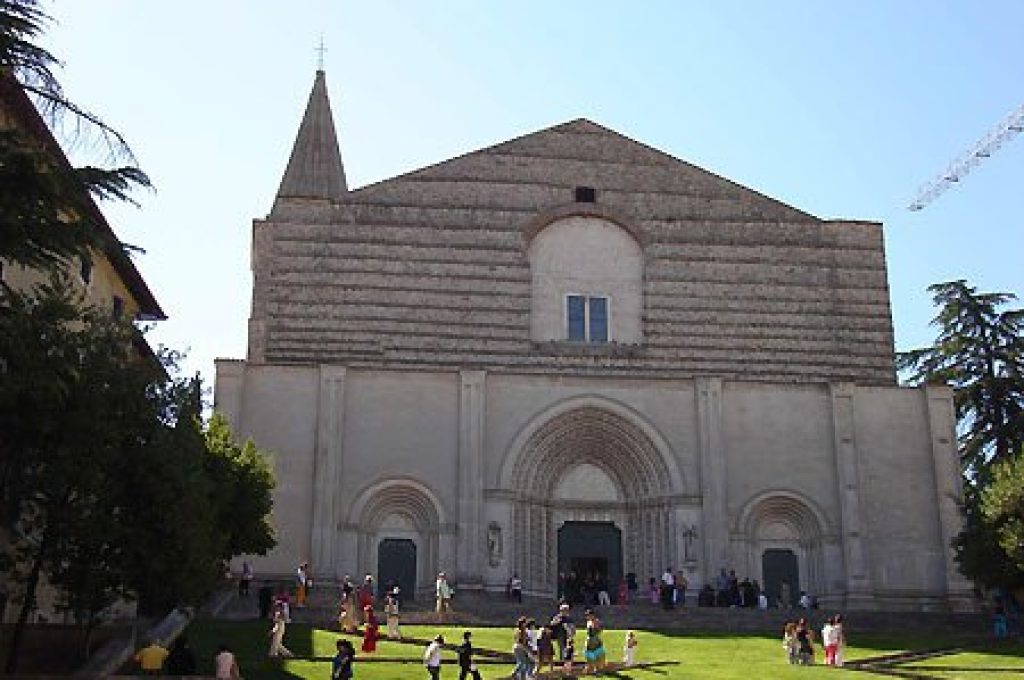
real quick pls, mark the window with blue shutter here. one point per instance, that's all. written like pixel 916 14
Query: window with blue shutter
pixel 598 321
pixel 587 318
pixel 576 309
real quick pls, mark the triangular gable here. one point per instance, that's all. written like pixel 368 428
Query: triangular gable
pixel 581 152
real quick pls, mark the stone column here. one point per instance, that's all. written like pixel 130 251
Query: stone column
pixel 260 263
pixel 330 420
pixel 948 489
pixel 229 392
pixel 712 476
pixel 858 579
pixel 471 542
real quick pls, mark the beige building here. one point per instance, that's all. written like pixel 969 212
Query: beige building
pixel 570 352
pixel 106 279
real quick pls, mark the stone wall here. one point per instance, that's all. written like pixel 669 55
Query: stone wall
pixel 480 470
pixel 431 269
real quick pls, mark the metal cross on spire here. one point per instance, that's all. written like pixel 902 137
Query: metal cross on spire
pixel 320 55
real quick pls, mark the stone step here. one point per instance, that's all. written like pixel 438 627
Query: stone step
pixel 494 610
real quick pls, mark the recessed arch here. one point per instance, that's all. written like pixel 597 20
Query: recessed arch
pixel 397 496
pixel 421 520
pixel 642 479
pixel 598 210
pixel 533 443
pixel 783 506
pixel 780 522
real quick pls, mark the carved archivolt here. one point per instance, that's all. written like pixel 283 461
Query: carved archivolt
pixel 590 432
pixel 782 507
pixel 401 497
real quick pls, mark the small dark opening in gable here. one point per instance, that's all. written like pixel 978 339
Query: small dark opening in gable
pixel 586 195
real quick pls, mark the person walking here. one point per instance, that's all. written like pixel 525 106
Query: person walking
pixel 594 654
pixel 370 629
pixel 805 643
pixel 443 592
pixel 515 587
pixel 391 607
pixel 366 595
pixel 546 649
pixel 840 634
pixel 829 642
pixel 432 657
pixel 668 588
pixel 348 620
pixel 341 666
pixel 467 667
pixel 245 579
pixel 277 648
pixel 629 649
pixel 301 581
pixel 563 628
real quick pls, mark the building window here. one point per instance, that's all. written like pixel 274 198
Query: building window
pixel 586 195
pixel 587 318
pixel 117 306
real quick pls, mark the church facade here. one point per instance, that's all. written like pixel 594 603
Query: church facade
pixel 571 352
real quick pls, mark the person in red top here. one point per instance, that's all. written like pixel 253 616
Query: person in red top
pixel 370 630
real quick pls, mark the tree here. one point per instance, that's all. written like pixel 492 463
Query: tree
pixel 46 208
pixel 110 483
pixel 72 392
pixel 1002 504
pixel 979 352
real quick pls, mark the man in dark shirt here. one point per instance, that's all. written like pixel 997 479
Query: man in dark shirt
pixel 466 665
pixel 562 627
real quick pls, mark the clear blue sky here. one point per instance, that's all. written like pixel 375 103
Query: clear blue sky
pixel 841 109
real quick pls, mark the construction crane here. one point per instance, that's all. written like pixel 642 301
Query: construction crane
pixel 1009 128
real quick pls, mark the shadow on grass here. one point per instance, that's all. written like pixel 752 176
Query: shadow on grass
pixel 250 642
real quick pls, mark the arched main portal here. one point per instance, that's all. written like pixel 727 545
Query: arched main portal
pixel 592 462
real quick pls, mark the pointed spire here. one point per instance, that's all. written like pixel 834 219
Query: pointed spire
pixel 315 169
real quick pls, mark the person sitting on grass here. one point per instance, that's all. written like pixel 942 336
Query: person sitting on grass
pixel 341 667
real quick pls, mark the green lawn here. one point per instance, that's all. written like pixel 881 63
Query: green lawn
pixel 695 656
pixel 1005 660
